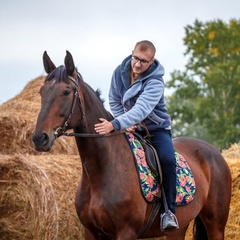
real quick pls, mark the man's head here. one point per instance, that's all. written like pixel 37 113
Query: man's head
pixel 142 57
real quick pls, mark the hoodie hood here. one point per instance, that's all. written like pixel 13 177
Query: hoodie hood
pixel 155 71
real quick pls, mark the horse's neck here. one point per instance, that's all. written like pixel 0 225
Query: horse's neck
pixel 103 154
pixel 94 151
pixel 93 109
pixel 94 159
pixel 89 120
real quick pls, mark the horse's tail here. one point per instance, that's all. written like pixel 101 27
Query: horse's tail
pixel 199 230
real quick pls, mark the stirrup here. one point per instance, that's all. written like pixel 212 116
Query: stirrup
pixel 168 216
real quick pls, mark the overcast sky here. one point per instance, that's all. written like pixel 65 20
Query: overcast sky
pixel 99 34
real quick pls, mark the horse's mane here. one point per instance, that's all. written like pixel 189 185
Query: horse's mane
pixel 98 93
pixel 60 74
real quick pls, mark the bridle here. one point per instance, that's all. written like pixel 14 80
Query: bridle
pixel 62 130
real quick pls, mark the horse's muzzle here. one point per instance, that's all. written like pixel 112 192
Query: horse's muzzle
pixel 42 141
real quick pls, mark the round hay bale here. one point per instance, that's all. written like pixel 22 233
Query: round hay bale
pixel 18 117
pixel 37 197
pixel 232 230
pixel 232 155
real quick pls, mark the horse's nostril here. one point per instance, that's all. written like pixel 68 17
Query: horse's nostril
pixel 44 139
pixel 40 139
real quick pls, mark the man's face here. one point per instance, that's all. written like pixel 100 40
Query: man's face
pixel 141 60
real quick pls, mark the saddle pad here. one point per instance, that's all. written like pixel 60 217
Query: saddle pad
pixel 150 187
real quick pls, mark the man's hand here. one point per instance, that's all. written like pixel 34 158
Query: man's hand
pixel 132 128
pixel 104 127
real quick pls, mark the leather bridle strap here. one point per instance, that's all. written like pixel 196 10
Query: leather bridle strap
pixel 62 129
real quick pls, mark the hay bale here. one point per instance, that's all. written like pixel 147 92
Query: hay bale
pixel 232 155
pixel 37 197
pixel 17 120
pixel 232 230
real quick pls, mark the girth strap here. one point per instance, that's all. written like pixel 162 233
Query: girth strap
pixel 154 211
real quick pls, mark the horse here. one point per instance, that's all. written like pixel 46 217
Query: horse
pixel 108 200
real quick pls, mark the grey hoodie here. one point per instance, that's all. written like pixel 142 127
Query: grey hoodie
pixel 143 101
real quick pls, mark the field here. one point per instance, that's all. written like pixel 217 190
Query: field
pixel 37 189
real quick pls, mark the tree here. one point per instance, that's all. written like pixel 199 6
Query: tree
pixel 206 100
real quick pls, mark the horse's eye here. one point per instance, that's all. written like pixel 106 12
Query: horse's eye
pixel 66 92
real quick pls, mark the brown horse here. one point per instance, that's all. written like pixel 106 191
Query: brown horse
pixel 109 202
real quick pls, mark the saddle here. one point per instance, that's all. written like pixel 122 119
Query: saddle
pixel 150 171
pixel 151 155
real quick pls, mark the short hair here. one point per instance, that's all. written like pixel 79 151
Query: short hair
pixel 145 45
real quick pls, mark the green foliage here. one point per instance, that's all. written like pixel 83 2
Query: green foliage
pixel 206 98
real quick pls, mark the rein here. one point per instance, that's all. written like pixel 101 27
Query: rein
pixel 61 131
pixel 93 135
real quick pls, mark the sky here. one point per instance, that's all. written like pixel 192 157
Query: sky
pixel 99 35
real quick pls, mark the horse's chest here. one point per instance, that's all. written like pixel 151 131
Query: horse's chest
pixel 98 213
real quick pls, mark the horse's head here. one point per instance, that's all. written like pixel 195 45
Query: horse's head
pixel 61 103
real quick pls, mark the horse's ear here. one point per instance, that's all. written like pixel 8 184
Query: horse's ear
pixel 47 62
pixel 69 63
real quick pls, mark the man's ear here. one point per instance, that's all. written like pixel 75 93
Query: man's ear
pixel 152 61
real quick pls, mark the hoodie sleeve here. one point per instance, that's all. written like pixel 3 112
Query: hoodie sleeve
pixel 144 105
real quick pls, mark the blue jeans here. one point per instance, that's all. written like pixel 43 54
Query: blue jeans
pixel 161 140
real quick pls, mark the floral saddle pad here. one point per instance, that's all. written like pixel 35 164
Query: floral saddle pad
pixel 185 184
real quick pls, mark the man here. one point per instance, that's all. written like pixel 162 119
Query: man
pixel 137 95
